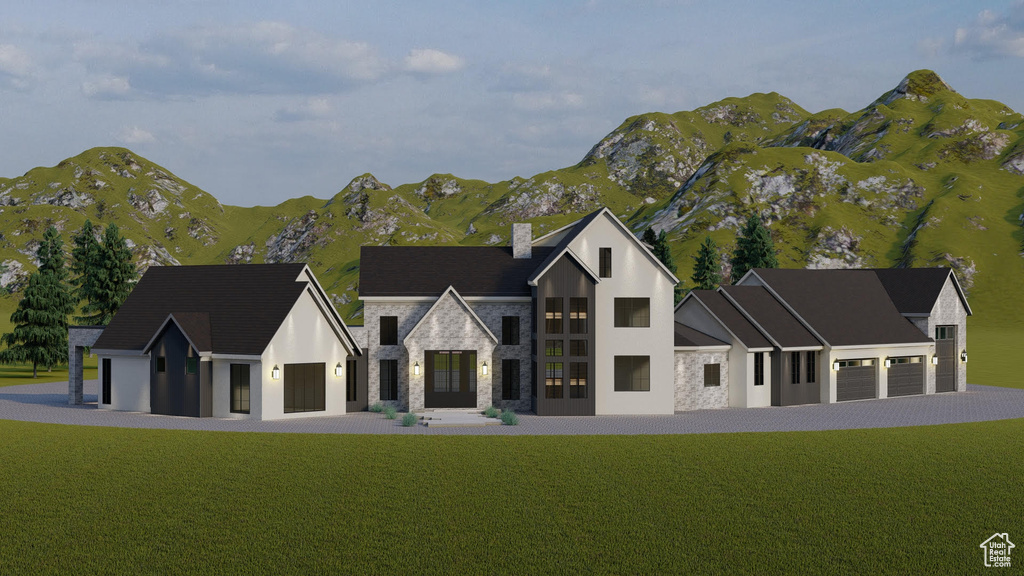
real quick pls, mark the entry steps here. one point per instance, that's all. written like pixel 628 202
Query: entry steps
pixel 456 419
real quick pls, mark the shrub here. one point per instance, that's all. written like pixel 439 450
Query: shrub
pixel 409 419
pixel 390 413
pixel 376 407
pixel 491 412
pixel 509 418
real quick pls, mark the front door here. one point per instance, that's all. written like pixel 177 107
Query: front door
pixel 450 379
pixel 945 350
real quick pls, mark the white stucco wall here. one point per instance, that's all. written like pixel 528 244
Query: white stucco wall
pixel 222 388
pixel 129 383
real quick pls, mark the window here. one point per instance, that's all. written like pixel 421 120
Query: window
pixel 553 348
pixel 794 369
pixel 510 330
pixel 388 330
pixel 305 387
pixel 161 364
pixel 553 315
pixel 533 379
pixel 632 373
pixel 632 312
pixel 945 332
pixel 578 380
pixel 712 375
pixel 191 365
pixel 106 381
pixel 240 388
pixel 905 360
pixel 510 379
pixel 351 380
pixel 553 380
pixel 577 347
pixel 389 380
pixel 811 368
pixel 578 315
pixel 759 369
pixel 855 363
pixel 606 263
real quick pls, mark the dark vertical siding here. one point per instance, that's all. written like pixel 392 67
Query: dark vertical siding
pixel 945 372
pixel 776 375
pixel 362 383
pixel 206 389
pixel 173 392
pixel 784 392
pixel 565 279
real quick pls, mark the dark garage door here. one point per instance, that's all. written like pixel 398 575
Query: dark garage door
pixel 906 376
pixel 855 380
pixel 304 387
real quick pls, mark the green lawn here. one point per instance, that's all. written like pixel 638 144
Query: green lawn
pixel 888 501
pixel 17 374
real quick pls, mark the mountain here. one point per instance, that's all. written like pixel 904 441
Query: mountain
pixel 921 176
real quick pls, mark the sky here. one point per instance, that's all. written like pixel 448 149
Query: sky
pixel 257 102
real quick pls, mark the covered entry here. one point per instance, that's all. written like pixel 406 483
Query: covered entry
pixel 906 376
pixel 856 379
pixel 945 350
pixel 450 379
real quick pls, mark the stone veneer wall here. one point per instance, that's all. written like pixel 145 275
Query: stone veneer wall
pixel 948 311
pixel 408 315
pixel 490 313
pixel 691 394
pixel 79 338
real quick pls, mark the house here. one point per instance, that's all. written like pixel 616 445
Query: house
pixel 258 341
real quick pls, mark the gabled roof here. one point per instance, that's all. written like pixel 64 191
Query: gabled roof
pixel 553 257
pixel 455 295
pixel 430 270
pixel 195 326
pixel 690 338
pixel 730 318
pixel 915 290
pixel 770 316
pixel 842 307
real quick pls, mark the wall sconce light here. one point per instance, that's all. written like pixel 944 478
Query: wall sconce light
pixel 484 368
pixel 935 360
pixel 275 373
pixel 888 362
pixel 337 370
pixel 835 365
pixel 416 369
pixel 963 356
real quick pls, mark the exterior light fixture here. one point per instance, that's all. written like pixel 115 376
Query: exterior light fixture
pixel 835 365
pixel 337 370
pixel 935 360
pixel 888 362
pixel 275 373
pixel 416 369
pixel 963 356
pixel 484 368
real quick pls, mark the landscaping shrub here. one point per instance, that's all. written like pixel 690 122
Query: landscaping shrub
pixel 509 418
pixel 491 412
pixel 376 407
pixel 409 419
pixel 390 413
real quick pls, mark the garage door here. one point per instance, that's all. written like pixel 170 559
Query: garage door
pixel 906 376
pixel 855 380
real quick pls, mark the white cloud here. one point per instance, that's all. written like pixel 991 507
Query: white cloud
pixel 430 61
pixel 135 135
pixel 537 101
pixel 15 67
pixel 107 87
pixel 993 35
pixel 312 109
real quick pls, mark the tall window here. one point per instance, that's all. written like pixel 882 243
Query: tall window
pixel 305 387
pixel 632 373
pixel 510 330
pixel 759 369
pixel 161 364
pixel 553 380
pixel 240 388
pixel 389 379
pixel 351 380
pixel 578 315
pixel 794 369
pixel 577 347
pixel 553 348
pixel 577 380
pixel 191 365
pixel 632 312
pixel 712 375
pixel 106 380
pixel 553 315
pixel 510 379
pixel 811 369
pixel 606 263
pixel 388 330
pixel 533 378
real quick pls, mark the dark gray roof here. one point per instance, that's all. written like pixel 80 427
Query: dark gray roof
pixel 915 290
pixel 242 306
pixel 429 270
pixel 686 336
pixel 771 316
pixel 734 321
pixel 571 234
pixel 845 307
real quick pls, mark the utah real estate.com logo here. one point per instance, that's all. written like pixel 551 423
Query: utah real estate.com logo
pixel 997 550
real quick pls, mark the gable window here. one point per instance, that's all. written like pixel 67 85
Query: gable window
pixel 351 375
pixel 510 330
pixel 389 379
pixel 553 315
pixel 759 369
pixel 191 365
pixel 632 373
pixel 578 315
pixel 510 379
pixel 632 312
pixel 794 369
pixel 578 380
pixel 577 347
pixel 161 364
pixel 553 380
pixel 553 348
pixel 712 375
pixel 811 369
pixel 605 263
pixel 388 330
pixel 106 380
pixel 239 388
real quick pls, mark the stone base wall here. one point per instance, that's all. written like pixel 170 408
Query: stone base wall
pixel 691 394
pixel 79 338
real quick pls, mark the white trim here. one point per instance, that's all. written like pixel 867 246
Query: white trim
pixel 246 357
pixel 565 252
pixel 458 298
pixel 419 299
pixel 397 299
pixel 332 313
pixel 960 292
pixel 498 299
pixel 802 348
pixel 109 352
pixel 715 348
pixel 873 346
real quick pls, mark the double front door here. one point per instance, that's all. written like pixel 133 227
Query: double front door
pixel 450 379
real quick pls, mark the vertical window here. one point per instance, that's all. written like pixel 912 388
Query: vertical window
pixel 553 315
pixel 470 367
pixel 533 378
pixel 305 387
pixel 712 375
pixel 577 347
pixel 578 380
pixel 794 368
pixel 351 380
pixel 578 315
pixel 553 380
pixel 388 330
pixel 106 381
pixel 191 365
pixel 389 380
pixel 161 364
pixel 553 348
pixel 632 312
pixel 759 369
pixel 510 330
pixel 632 373
pixel 811 368
pixel 606 263
pixel 239 388
pixel 510 379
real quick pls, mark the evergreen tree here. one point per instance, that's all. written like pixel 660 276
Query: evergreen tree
pixel 51 254
pixel 40 333
pixel 754 249
pixel 113 276
pixel 662 251
pixel 83 261
pixel 705 271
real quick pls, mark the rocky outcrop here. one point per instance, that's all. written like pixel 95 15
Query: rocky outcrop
pixel 1014 163
pixel 241 254
pixel 367 182
pixel 527 200
pixel 984 146
pixel 150 205
pixel 295 241
pixel 13 276
pixel 438 188
pixel 836 249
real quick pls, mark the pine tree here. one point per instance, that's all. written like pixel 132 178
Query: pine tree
pixel 705 270
pixel 83 261
pixel 113 276
pixel 40 334
pixel 663 252
pixel 754 249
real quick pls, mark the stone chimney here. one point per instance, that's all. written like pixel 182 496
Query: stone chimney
pixel 522 237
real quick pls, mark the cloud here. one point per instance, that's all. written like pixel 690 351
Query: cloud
pixel 993 35
pixel 15 67
pixel 313 109
pixel 107 87
pixel 430 61
pixel 135 135
pixel 540 101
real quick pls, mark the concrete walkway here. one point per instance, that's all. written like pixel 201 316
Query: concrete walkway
pixel 48 403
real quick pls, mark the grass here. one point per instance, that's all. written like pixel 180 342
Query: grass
pixel 18 374
pixel 886 501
